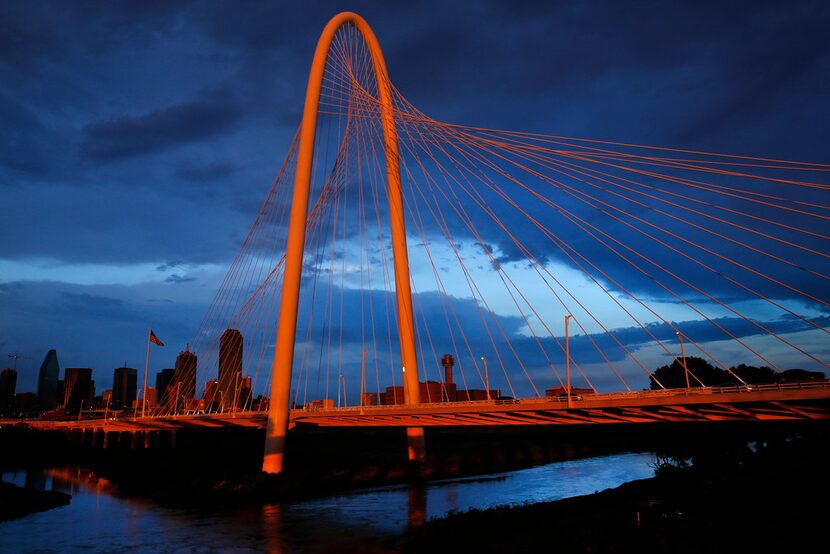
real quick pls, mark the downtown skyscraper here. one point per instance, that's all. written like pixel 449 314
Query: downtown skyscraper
pixel 47 382
pixel 230 368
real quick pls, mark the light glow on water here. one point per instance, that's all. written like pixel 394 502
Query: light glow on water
pixel 100 520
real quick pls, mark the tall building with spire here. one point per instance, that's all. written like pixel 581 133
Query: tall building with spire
pixel 47 382
pixel 230 367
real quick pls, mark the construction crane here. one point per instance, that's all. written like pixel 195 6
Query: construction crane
pixel 16 357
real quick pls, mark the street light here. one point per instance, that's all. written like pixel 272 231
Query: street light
pixel 363 378
pixel 568 360
pixel 486 378
pixel 683 357
pixel 81 410
pixel 339 380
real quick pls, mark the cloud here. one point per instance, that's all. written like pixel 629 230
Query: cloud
pixel 26 36
pixel 29 148
pixel 146 134
pixel 212 113
pixel 176 279
pixel 90 304
pixel 169 265
pixel 212 171
pixel 95 326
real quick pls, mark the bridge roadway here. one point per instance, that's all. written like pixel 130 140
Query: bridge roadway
pixel 794 401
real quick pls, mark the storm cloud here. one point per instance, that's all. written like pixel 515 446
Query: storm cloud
pixel 139 139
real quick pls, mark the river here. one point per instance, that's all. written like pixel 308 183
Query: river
pixel 100 519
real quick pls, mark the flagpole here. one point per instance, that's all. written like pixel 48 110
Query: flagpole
pixel 146 369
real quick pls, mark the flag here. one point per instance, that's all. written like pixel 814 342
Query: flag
pixel 155 339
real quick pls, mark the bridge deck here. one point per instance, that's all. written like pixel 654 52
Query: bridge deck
pixel 763 402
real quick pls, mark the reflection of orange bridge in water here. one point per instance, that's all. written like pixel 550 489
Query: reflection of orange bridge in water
pixel 800 401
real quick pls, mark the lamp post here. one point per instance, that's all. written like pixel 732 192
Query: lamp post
pixel 235 391
pixel 221 402
pixel 339 380
pixel 683 357
pixel 146 370
pixel 568 360
pixel 363 378
pixel 486 378
pixel 81 410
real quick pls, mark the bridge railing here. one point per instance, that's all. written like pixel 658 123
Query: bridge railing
pixel 796 385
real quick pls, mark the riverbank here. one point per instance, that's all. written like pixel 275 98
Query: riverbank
pixel 739 496
pixel 768 498
pixel 17 502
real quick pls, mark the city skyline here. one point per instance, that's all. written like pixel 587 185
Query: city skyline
pixel 114 180
pixel 75 388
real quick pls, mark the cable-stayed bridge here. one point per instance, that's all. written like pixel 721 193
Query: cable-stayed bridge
pixel 559 273
pixel 797 401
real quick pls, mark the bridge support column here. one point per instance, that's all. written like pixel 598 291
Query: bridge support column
pixel 98 441
pixel 278 413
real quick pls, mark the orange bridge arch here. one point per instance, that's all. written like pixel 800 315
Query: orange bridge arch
pixel 278 413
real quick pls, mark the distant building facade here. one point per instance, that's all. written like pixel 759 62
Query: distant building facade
pixel 152 396
pixel 78 389
pixel 138 403
pixel 25 404
pixel 245 393
pixel 211 402
pixel 230 367
pixel 163 380
pixel 124 384
pixel 8 386
pixel 47 382
pixel 318 405
pixel 183 386
pixel 469 395
pixel 432 391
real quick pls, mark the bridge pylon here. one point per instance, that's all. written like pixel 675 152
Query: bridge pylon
pixel 278 413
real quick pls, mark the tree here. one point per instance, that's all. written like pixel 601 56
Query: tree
pixel 754 375
pixel 700 371
pixel 799 375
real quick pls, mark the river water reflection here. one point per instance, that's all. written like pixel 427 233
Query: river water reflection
pixel 101 520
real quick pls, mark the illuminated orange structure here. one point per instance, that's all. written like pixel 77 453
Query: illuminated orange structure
pixel 278 415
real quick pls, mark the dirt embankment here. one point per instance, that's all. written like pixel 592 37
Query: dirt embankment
pixel 17 502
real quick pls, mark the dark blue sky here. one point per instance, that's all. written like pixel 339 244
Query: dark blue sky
pixel 138 139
